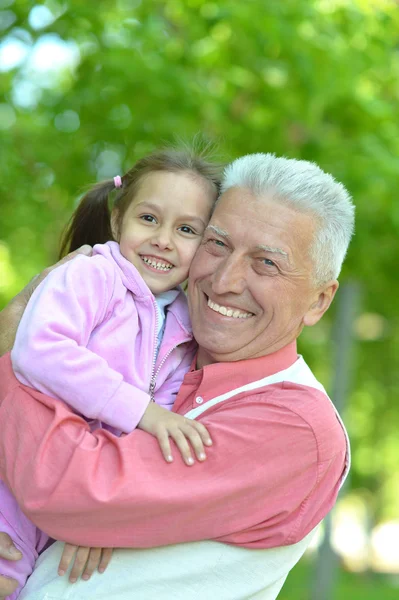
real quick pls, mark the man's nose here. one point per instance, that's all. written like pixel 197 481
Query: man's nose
pixel 230 276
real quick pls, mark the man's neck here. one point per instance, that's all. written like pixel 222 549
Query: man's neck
pixel 203 359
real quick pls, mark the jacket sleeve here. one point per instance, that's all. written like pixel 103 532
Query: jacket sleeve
pixel 50 352
pixel 24 535
pixel 99 490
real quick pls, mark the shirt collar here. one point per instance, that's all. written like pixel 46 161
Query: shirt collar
pixel 221 375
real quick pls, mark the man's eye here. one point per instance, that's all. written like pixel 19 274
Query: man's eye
pixel 213 245
pixel 268 262
pixel 187 229
pixel 148 218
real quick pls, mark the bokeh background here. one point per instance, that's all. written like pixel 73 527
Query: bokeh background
pixel 86 88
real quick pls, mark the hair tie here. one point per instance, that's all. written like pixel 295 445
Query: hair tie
pixel 118 181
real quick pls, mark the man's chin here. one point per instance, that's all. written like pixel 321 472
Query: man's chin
pixel 216 342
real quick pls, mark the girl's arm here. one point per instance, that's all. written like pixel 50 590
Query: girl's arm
pixel 25 536
pixel 10 553
pixel 50 352
pixel 11 314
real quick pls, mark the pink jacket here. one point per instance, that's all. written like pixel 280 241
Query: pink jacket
pixel 88 337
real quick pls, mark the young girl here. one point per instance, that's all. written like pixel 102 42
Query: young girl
pixel 110 334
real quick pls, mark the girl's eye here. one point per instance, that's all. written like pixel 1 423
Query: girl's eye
pixel 148 218
pixel 187 229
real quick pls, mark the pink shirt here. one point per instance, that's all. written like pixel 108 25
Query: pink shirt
pixel 273 472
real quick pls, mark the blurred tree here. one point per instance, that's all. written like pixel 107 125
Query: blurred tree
pixel 87 88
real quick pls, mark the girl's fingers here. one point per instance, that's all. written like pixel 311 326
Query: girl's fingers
pixel 87 560
pixel 7 587
pixel 181 442
pixel 92 563
pixel 67 555
pixel 202 430
pixel 106 556
pixel 196 442
pixel 163 440
pixel 79 564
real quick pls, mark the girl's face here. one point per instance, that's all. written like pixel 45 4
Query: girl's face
pixel 163 226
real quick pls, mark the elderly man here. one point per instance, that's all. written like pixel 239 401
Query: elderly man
pixel 231 527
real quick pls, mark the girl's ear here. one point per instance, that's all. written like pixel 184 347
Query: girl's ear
pixel 114 224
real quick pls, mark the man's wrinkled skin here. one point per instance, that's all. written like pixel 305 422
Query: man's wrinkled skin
pixel 10 317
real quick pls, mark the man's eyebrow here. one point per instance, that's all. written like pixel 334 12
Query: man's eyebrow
pixel 217 230
pixel 261 247
pixel 271 249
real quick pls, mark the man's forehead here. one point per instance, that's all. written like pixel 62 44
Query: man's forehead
pixel 262 247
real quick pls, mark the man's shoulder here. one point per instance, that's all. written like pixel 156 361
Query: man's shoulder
pixel 309 406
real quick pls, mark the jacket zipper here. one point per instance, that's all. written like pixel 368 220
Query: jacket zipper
pixel 154 374
pixel 151 390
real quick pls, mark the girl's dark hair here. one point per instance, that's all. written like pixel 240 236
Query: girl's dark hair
pixel 91 221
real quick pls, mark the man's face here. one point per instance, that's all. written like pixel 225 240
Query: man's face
pixel 250 284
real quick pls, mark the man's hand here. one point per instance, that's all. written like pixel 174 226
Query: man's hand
pixel 86 560
pixel 11 315
pixel 8 552
pixel 164 424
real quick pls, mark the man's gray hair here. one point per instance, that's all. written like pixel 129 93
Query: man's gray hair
pixel 303 186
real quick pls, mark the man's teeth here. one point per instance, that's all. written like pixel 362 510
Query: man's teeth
pixel 229 312
pixel 157 265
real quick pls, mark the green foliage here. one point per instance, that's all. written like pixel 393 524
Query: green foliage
pixel 349 586
pixel 313 79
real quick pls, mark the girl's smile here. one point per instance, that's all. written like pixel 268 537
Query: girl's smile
pixel 163 227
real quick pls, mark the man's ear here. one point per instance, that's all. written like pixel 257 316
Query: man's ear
pixel 321 303
pixel 115 224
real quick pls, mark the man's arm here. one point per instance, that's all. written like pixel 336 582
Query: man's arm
pixel 99 490
pixel 11 315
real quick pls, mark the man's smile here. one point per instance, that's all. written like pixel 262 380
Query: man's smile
pixel 229 311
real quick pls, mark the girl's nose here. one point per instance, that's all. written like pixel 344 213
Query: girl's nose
pixel 163 239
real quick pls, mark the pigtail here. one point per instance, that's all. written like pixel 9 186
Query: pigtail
pixel 91 221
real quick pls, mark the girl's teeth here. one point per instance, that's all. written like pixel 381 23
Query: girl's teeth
pixel 157 265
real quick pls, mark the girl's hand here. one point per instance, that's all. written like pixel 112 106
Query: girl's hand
pixel 8 552
pixel 86 561
pixel 164 424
